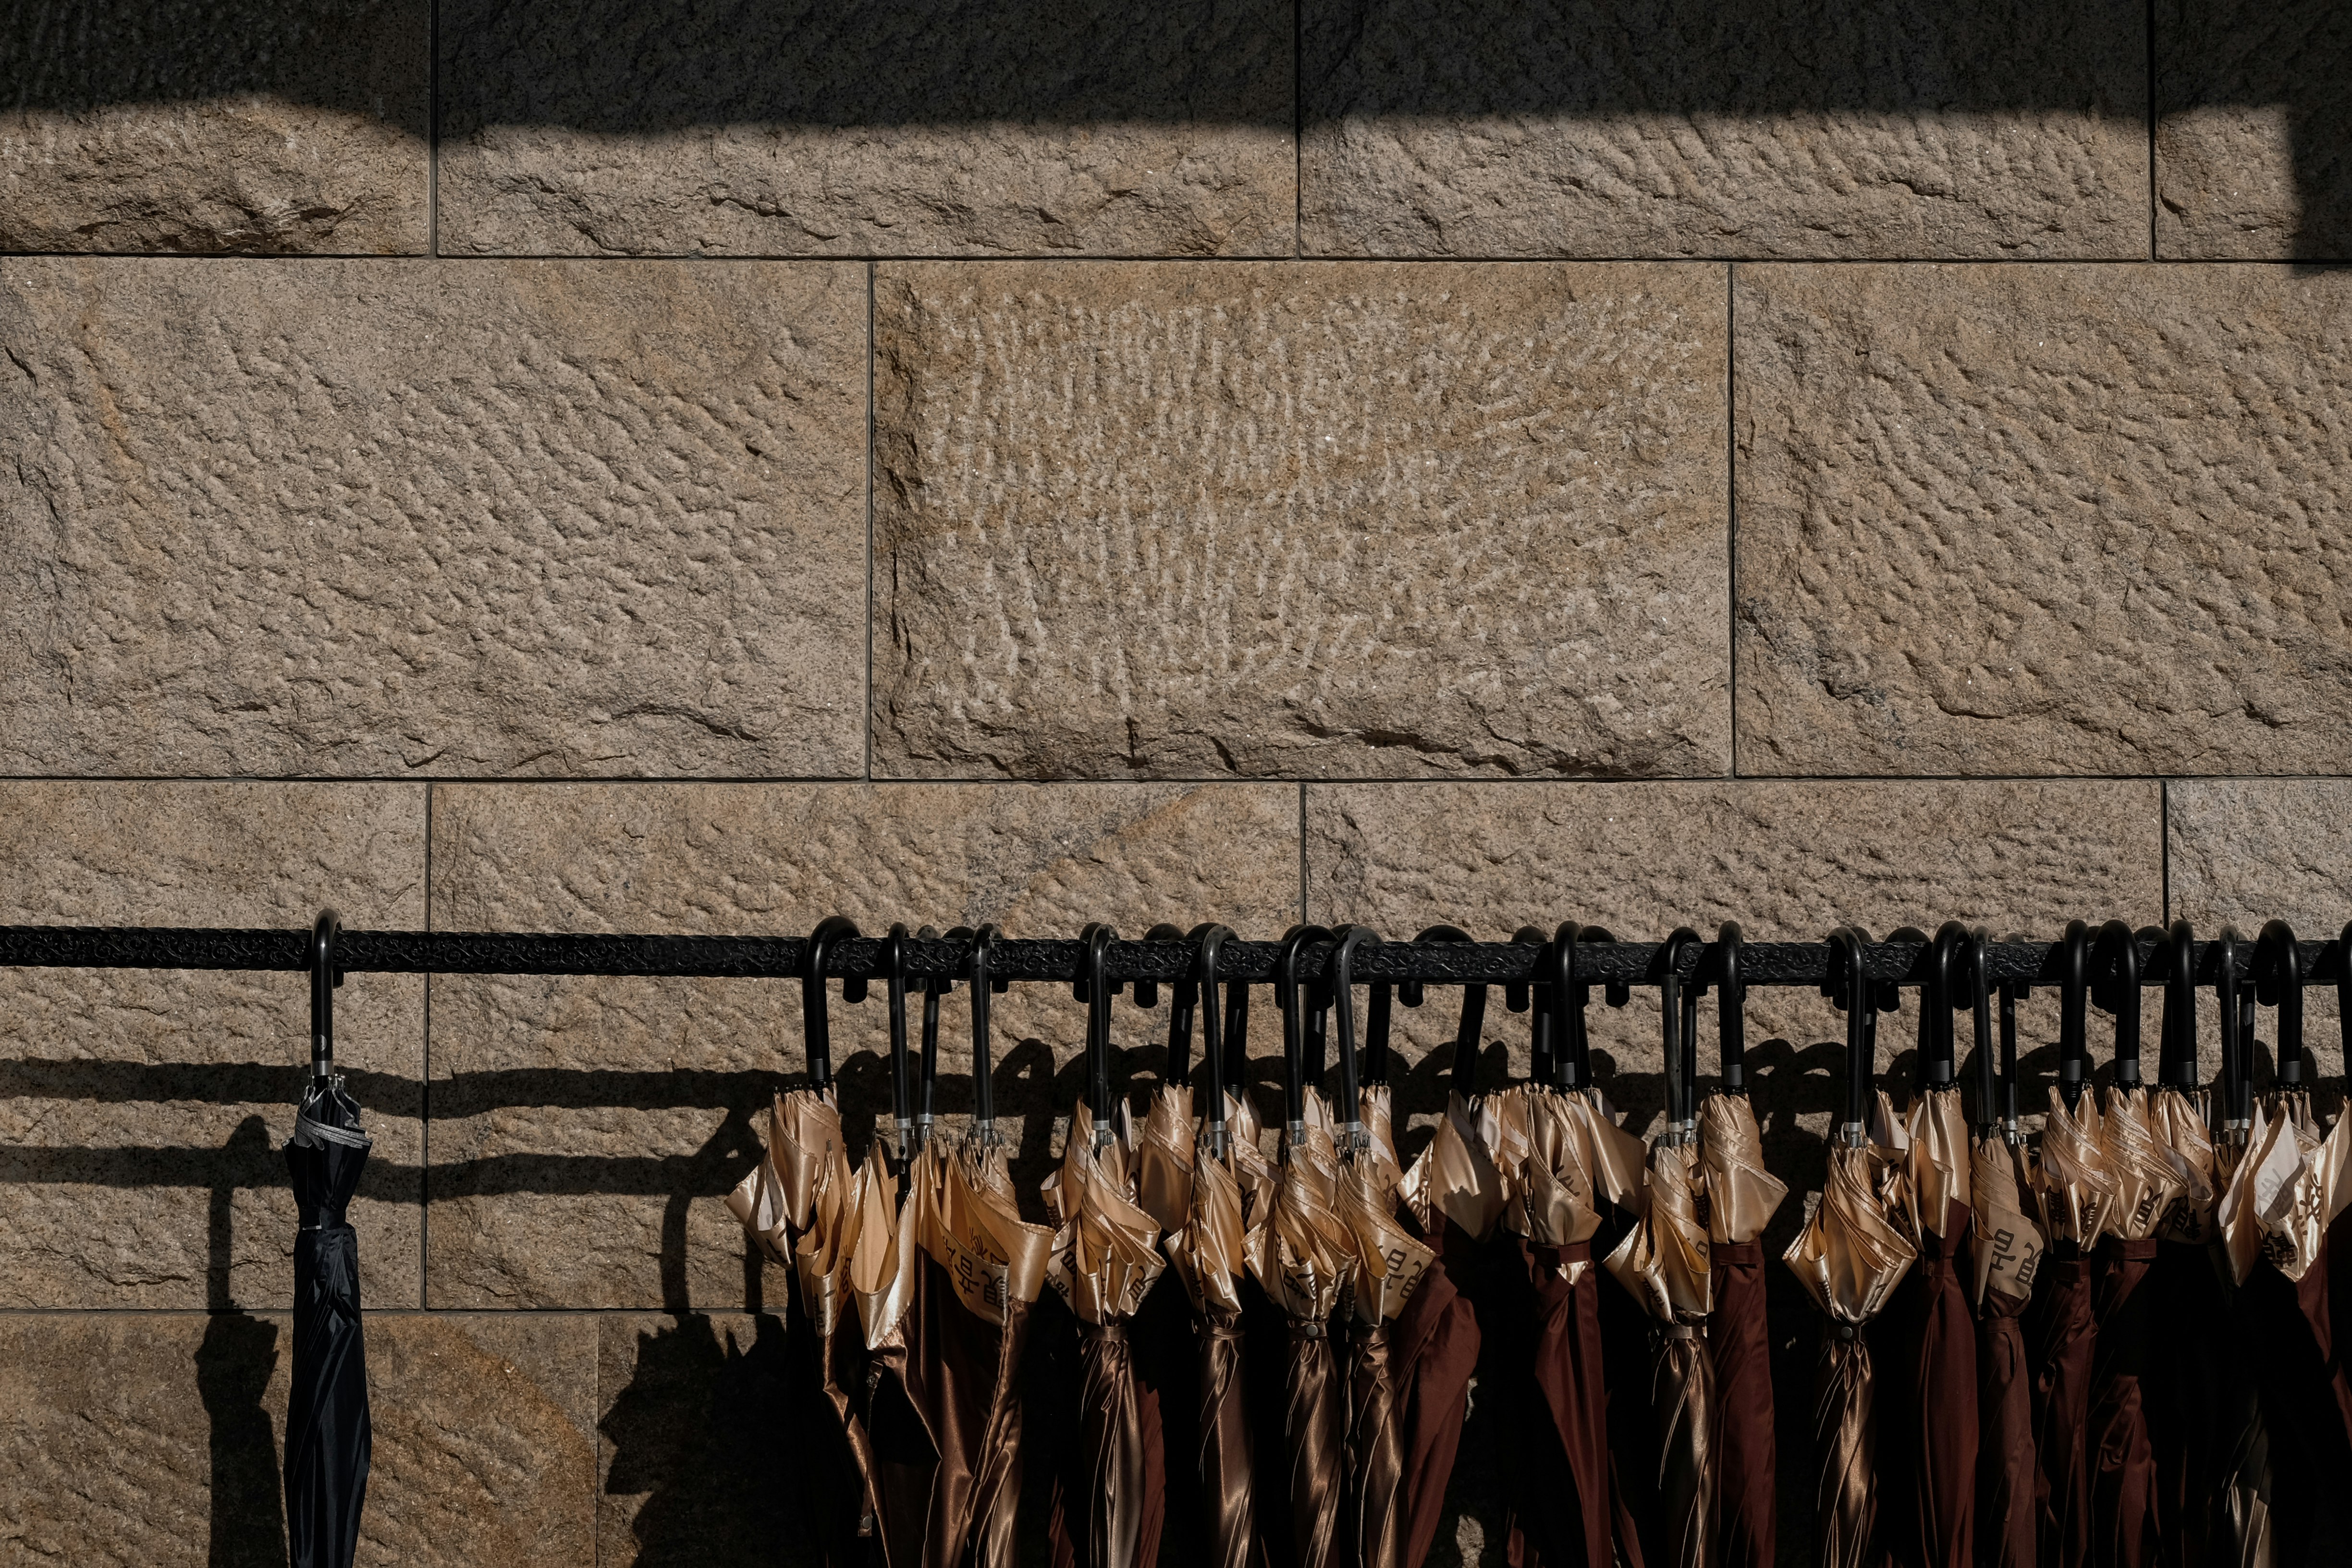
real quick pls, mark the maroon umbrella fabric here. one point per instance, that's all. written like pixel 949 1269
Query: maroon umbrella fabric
pixel 1929 1416
pixel 2125 1527
pixel 2076 1190
pixel 2006 1248
pixel 1742 1197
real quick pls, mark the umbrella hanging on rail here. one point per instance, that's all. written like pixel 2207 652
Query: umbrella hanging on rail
pixel 1301 1256
pixel 2125 1527
pixel 2006 1248
pixel 1663 1262
pixel 1741 1198
pixel 2075 1191
pixel 1563 1157
pixel 2192 1387
pixel 966 1328
pixel 1207 1255
pixel 1929 1410
pixel 329 1439
pixel 798 1203
pixel 1852 1252
pixel 1109 1498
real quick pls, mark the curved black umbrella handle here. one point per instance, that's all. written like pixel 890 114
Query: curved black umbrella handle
pixel 935 987
pixel 2011 991
pixel 1293 1026
pixel 1222 1075
pixel 324 978
pixel 2114 986
pixel 1977 959
pixel 1533 997
pixel 1343 995
pixel 816 1027
pixel 893 970
pixel 2176 1051
pixel 1677 1018
pixel 1100 990
pixel 2278 983
pixel 1851 989
pixel 983 985
pixel 2237 1050
pixel 1731 1009
pixel 1939 997
pixel 1570 1063
pixel 2074 1012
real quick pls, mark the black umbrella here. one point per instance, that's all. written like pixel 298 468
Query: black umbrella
pixel 328 1437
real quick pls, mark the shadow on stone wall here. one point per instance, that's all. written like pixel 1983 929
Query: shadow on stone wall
pixel 630 68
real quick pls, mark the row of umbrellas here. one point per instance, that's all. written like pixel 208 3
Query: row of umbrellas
pixel 2114 1345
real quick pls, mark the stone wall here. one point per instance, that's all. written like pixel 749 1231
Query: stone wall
pixel 605 464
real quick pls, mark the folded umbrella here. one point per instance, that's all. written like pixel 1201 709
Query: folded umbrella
pixel 1208 1257
pixel 1301 1257
pixel 2191 1388
pixel 1105 1257
pixel 983 1269
pixel 884 1275
pixel 1933 1385
pixel 330 1438
pixel 1563 1158
pixel 1414 1337
pixel 795 1205
pixel 1852 1253
pixel 1663 1262
pixel 1741 1198
pixel 2076 1190
pixel 2005 1249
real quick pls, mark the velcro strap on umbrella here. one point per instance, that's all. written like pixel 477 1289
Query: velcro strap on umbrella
pixel 317 1135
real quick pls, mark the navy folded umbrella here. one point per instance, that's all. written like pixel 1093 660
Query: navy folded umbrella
pixel 328 1437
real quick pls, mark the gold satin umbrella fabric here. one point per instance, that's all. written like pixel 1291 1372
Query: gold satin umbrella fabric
pixel 1854 1250
pixel 885 1272
pixel 1302 1258
pixel 1387 1265
pixel 798 1203
pixel 983 1269
pixel 2188 1385
pixel 1663 1262
pixel 1208 1257
pixel 1741 1198
pixel 1105 1257
pixel 1164 1157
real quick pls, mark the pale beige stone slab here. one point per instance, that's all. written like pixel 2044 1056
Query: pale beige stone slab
pixel 142 1111
pixel 1178 519
pixel 2251 101
pixel 586 1131
pixel 158 1437
pixel 727 127
pixel 2042 519
pixel 1691 129
pixel 279 126
pixel 1790 861
pixel 407 518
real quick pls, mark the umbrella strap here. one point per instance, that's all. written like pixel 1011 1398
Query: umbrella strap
pixel 1682 1331
pixel 316 1133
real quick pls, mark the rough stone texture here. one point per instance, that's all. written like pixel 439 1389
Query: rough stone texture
pixel 142 1111
pixel 2249 851
pixel 1186 520
pixel 158 1438
pixel 586 1131
pixel 214 125
pixel 731 127
pixel 1799 128
pixel 2253 134
pixel 406 517
pixel 1790 861
pixel 2042 519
